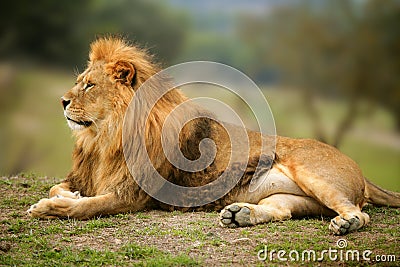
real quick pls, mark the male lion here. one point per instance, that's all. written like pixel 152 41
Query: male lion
pixel 305 177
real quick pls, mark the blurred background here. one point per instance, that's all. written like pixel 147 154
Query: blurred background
pixel 330 69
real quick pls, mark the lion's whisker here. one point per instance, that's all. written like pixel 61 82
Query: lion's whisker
pixel 91 118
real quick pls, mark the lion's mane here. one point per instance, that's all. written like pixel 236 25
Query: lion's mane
pixel 99 165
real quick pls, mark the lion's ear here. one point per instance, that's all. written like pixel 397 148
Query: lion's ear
pixel 123 72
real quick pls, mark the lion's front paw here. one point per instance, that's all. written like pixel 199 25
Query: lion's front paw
pixel 69 194
pixel 50 208
pixel 236 215
pixel 41 209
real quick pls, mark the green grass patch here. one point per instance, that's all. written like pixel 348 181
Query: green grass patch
pixel 128 255
pixel 158 238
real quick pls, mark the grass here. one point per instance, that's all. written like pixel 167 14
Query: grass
pixel 130 254
pixel 157 238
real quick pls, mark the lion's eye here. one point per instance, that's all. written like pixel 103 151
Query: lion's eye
pixel 88 85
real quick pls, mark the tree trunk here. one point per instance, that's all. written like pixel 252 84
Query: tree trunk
pixel 309 105
pixel 346 123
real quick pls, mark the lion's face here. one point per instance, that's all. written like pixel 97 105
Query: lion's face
pixel 85 105
pixel 96 93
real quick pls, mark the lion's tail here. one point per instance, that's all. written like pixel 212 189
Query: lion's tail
pixel 381 197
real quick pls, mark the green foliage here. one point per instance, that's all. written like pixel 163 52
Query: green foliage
pixel 134 251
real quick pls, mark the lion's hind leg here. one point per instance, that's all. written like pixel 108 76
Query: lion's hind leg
pixel 273 208
pixel 340 191
pixel 341 196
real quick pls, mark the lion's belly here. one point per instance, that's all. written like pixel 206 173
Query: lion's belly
pixel 273 182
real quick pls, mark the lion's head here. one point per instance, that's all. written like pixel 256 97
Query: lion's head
pixel 95 110
pixel 103 91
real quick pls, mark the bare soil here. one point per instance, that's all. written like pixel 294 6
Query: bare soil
pixel 196 234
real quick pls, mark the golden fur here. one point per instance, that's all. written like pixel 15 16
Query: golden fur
pixel 306 177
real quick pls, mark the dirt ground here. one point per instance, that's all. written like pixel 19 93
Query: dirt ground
pixel 196 235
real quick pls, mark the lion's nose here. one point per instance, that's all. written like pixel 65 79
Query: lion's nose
pixel 65 102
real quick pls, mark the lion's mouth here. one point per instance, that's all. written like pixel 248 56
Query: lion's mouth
pixel 82 123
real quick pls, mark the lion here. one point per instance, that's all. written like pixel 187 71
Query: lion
pixel 301 177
